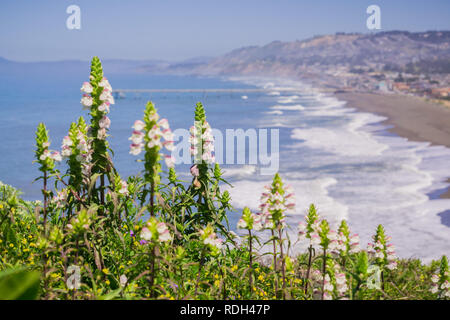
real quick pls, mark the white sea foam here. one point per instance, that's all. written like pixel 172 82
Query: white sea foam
pixel 343 161
pixel 247 193
pixel 277 112
pixel 288 99
pixel 294 107
pixel 243 171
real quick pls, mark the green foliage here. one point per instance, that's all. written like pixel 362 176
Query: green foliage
pixel 154 236
pixel 19 284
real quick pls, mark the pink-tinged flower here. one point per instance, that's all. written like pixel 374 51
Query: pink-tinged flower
pixel 193 150
pixel 60 198
pixel 154 143
pixel 104 122
pixel 208 157
pixel 170 161
pixel 290 206
pixel 194 171
pixel 153 117
pixel 138 125
pixel 301 229
pixel 163 231
pixel 218 243
pixel 392 265
pixel 136 149
pixel 315 239
pixel 83 146
pixel 165 236
pixel 154 133
pixel 146 234
pixel 257 222
pixel 327 296
pixel 104 107
pixel 167 134
pixel 288 190
pixel 105 84
pixel 332 235
pixel 163 123
pixel 379 254
pixel 277 197
pixel 111 99
pixel 390 248
pixel 435 278
pixel 169 145
pixel 55 155
pixel 242 224
pixel 67 141
pixel 46 144
pixel 86 87
pixel 208 146
pixel 101 134
pixel 105 95
pixel 45 155
pixel 137 137
pixel 86 101
pixel 123 188
pixel 354 243
pixel 123 280
pixel 66 151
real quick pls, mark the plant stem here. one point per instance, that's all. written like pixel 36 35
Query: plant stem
pixel 251 259
pixel 152 194
pixel 308 270
pixel 275 261
pixel 324 270
pixel 45 202
pixel 152 271
pixel 283 271
pixel 102 189
pixel 202 256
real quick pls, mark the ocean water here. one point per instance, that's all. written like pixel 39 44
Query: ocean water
pixel 342 160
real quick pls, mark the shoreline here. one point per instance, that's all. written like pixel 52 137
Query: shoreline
pixel 409 117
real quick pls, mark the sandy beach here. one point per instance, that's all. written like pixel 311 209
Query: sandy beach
pixel 410 117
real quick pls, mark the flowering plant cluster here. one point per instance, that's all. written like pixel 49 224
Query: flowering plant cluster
pixel 441 284
pixel 97 235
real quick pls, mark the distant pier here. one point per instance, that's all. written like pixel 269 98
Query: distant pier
pixel 230 90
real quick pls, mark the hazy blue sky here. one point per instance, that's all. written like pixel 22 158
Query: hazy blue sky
pixel 35 30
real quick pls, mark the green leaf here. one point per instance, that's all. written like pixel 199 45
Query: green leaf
pixel 19 284
pixel 111 295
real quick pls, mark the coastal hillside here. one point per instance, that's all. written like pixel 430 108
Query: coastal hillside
pixel 393 50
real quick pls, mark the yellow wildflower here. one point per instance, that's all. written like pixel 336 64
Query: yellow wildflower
pixel 105 271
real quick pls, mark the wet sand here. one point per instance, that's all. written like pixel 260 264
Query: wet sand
pixel 409 117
